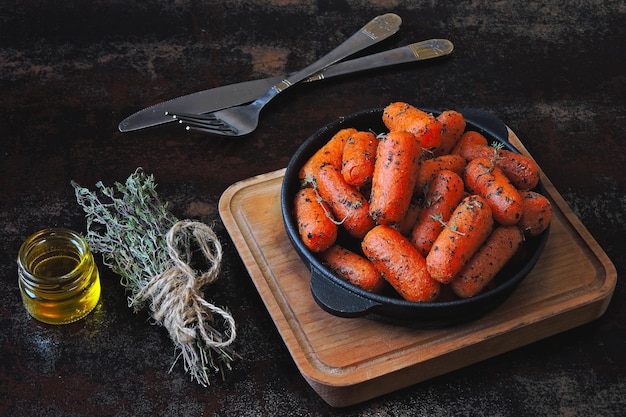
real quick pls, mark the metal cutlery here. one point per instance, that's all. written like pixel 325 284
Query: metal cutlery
pixel 222 97
pixel 241 120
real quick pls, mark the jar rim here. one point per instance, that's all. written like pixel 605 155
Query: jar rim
pixel 79 246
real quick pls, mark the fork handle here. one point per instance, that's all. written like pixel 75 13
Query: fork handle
pixel 378 29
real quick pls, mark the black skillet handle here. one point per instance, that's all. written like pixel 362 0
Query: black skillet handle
pixel 336 299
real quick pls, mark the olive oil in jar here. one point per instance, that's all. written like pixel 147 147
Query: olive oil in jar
pixel 57 276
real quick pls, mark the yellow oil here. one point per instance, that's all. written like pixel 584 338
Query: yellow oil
pixel 58 278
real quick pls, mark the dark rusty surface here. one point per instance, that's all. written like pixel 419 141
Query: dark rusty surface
pixel 71 71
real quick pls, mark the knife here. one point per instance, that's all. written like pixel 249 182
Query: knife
pixel 234 94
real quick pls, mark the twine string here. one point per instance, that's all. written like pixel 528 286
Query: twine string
pixel 176 297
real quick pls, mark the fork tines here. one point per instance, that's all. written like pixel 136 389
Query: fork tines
pixel 207 123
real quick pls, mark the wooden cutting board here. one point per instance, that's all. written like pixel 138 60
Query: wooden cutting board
pixel 347 361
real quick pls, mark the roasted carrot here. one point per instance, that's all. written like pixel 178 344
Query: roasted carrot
pixel 317 228
pixel 467 229
pixel 430 167
pixel 470 136
pixel 401 116
pixel 497 250
pixel 400 264
pixel 329 154
pixel 348 205
pixel 444 194
pixel 521 170
pixel 537 213
pixel 406 225
pixel 453 126
pixel 472 151
pixel 486 179
pixel 395 173
pixel 353 268
pixel 359 155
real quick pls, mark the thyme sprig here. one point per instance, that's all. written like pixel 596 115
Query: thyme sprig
pixel 128 225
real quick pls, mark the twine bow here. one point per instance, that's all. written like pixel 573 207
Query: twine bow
pixel 177 301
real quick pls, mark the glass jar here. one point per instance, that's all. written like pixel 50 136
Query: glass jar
pixel 57 276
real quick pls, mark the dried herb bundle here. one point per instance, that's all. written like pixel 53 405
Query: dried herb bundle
pixel 151 250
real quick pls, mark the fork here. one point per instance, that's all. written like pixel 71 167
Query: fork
pixel 242 120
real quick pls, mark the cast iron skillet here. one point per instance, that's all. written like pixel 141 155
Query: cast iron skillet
pixel 343 299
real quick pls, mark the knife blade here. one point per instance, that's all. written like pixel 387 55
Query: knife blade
pixel 234 94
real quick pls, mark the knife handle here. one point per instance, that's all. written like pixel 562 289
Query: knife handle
pixel 419 51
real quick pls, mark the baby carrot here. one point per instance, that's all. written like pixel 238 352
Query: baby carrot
pixel 470 136
pixel 537 213
pixel 406 225
pixel 317 229
pixel 348 205
pixel 453 126
pixel 330 153
pixel 430 167
pixel 472 151
pixel 497 250
pixel 521 170
pixel 359 154
pixel 444 194
pixel 467 229
pixel 400 264
pixel 395 173
pixel 353 268
pixel 486 179
pixel 401 116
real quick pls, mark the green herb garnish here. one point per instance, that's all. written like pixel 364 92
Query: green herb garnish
pixel 151 250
